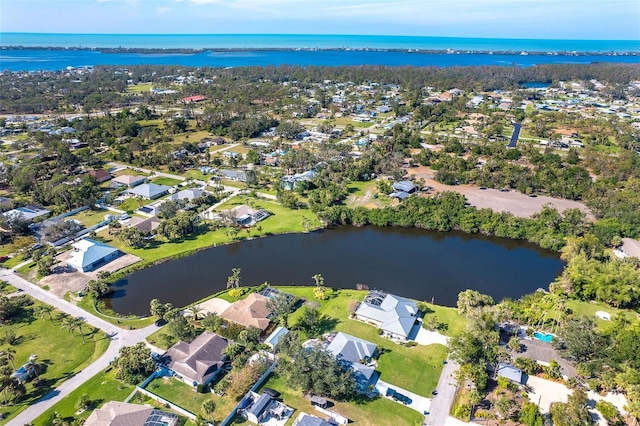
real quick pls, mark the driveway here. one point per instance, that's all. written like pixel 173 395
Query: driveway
pixel 441 403
pixel 419 403
pixel 119 338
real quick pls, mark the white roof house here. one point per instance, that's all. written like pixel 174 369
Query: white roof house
pixel 187 194
pixel 350 348
pixel 149 191
pixel 89 255
pixel 394 315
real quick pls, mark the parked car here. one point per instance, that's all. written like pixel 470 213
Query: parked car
pixel 160 322
pixel 4 259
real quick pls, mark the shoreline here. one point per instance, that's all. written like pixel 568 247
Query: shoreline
pixel 196 51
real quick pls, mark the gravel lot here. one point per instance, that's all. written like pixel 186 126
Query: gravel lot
pixel 514 202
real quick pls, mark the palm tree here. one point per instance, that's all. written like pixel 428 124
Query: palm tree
pixel 32 367
pixel 69 324
pixel 79 322
pixel 208 408
pixel 234 278
pixel 45 310
pixel 9 354
pixel 195 310
pixel 319 279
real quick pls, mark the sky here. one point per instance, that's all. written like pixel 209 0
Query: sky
pixel 547 19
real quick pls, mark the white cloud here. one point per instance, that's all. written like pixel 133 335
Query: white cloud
pixel 162 10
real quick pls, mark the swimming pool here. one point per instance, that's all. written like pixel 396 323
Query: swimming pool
pixel 545 337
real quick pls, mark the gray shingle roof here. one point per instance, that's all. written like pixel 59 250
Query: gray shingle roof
pixel 350 348
pixel 395 314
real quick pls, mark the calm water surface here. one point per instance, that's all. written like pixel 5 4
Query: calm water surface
pixel 406 261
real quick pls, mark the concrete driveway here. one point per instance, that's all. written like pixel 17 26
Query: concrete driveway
pixel 419 403
pixel 441 403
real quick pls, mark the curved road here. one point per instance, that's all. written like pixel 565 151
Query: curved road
pixel 118 336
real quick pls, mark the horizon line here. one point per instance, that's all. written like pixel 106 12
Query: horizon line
pixel 316 34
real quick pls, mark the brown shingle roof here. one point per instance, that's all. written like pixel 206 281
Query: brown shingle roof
pixel 249 312
pixel 199 360
pixel 119 414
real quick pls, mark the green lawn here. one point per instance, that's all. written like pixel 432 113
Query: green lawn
pixel 133 322
pixel 282 220
pixel 90 217
pixel 60 353
pixel 421 365
pixel 101 388
pixel 132 204
pixel 449 316
pixel 6 288
pixel 14 261
pixel 366 412
pixel 140 88
pixel 166 181
pixel 185 396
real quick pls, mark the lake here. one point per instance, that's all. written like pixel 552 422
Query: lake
pixel 410 262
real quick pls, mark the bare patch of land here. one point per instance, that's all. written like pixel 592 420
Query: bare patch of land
pixel 66 279
pixel 516 203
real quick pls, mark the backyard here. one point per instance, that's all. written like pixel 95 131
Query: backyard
pixel 363 411
pixel 101 388
pixel 421 365
pixel 185 396
pixel 166 181
pixel 59 353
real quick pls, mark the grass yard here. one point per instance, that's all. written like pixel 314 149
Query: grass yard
pixel 132 204
pixel 421 365
pixel 366 412
pixel 166 181
pixel 90 217
pixel 133 323
pixel 282 220
pixel 6 288
pixel 14 261
pixel 60 353
pixel 191 136
pixel 101 388
pixel 455 322
pixel 140 88
pixel 197 174
pixel 185 396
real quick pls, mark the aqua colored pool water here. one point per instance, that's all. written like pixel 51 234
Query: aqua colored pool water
pixel 545 337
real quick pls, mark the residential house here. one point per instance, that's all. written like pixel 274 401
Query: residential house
pixel 194 99
pixel 27 213
pixel 100 175
pixel 263 407
pixel 235 175
pixel 305 419
pixel 251 311
pixel 394 315
pixel 149 191
pixel 405 186
pixel 127 181
pixel 89 254
pixel 246 216
pixel 357 353
pixel 146 225
pixel 200 361
pixel 187 195
pixel 149 210
pixel 509 372
pixel 115 413
pixel 289 182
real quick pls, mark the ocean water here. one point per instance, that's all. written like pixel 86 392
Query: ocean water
pixel 255 51
pixel 213 41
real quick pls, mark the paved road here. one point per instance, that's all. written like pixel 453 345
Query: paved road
pixel 118 336
pixel 441 404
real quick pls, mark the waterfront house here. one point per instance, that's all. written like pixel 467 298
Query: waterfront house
pixel 149 191
pixel 200 361
pixel 115 413
pixel 251 311
pixel 394 315
pixel 147 225
pixel 89 254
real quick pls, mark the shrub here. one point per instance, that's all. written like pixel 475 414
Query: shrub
pixel 201 388
pixel 236 293
pixel 462 412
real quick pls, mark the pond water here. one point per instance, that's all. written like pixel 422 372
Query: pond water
pixel 410 262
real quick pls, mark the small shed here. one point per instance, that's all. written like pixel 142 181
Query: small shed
pixel 319 401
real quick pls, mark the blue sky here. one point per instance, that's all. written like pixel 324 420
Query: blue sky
pixel 564 19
